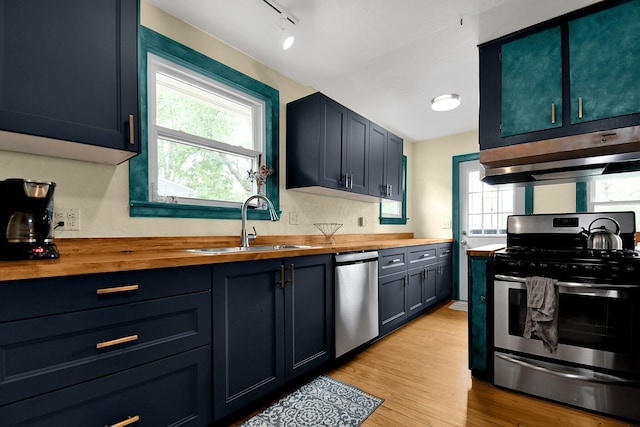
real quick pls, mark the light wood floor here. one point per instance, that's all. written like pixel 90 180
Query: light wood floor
pixel 421 372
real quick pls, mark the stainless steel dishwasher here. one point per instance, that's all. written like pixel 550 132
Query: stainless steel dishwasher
pixel 356 299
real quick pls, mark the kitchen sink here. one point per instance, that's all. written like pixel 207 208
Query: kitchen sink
pixel 232 249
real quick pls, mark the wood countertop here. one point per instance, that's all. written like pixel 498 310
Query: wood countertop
pixel 104 255
pixel 487 250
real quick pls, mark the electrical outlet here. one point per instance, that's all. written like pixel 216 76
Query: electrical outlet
pixel 293 218
pixel 70 219
pixel 73 220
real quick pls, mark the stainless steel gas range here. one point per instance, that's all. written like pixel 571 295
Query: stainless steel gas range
pixel 579 306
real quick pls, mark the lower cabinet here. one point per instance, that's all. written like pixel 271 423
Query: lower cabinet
pixel 481 316
pixel 272 322
pixel 411 280
pixel 103 349
pixel 175 391
pixel 444 281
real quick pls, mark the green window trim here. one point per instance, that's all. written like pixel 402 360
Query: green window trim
pixel 581 197
pixel 402 220
pixel 139 204
pixel 455 212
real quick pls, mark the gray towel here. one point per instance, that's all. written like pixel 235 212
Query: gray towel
pixel 542 311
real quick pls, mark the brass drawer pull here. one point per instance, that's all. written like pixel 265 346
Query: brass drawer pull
pixel 553 114
pixel 117 341
pixel 132 130
pixel 116 290
pixel 127 422
pixel 580 107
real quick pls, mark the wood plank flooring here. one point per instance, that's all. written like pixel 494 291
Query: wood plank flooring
pixel 421 372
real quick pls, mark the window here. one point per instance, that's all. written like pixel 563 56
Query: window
pixel 204 127
pixel 394 212
pixel 488 206
pixel 618 193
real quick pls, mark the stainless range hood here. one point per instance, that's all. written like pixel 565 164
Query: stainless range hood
pixel 567 159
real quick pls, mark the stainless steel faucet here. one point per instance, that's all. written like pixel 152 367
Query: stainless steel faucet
pixel 245 237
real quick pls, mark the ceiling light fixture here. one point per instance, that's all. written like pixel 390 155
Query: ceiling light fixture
pixel 286 19
pixel 445 102
pixel 286 38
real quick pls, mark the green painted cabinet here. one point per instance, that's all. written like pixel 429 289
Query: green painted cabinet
pixel 532 83
pixel 604 54
pixel 481 316
pixel 572 75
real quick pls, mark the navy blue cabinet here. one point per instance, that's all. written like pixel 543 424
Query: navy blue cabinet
pixel 444 280
pixel 385 164
pixel 332 150
pixel 97 349
pixel 272 322
pixel 69 75
pixel 411 280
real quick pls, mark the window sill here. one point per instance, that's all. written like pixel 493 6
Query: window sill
pixel 155 209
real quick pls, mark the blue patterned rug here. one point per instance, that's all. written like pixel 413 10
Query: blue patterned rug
pixel 322 402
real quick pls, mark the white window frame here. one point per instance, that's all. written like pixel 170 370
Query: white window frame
pixel 157 64
pixel 593 206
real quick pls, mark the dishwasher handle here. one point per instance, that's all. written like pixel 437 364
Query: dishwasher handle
pixel 355 257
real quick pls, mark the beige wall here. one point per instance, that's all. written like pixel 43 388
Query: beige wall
pixel 102 192
pixel 430 185
pixel 430 182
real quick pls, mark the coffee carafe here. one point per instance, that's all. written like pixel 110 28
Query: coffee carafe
pixel 26 214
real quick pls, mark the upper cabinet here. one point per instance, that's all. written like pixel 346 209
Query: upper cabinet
pixel 332 150
pixel 68 78
pixel 532 83
pixel 573 75
pixel 604 55
pixel 385 164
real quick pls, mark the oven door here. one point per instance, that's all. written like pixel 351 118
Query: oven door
pixel 596 324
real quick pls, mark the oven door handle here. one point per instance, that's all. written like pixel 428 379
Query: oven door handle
pixel 569 284
pixel 571 374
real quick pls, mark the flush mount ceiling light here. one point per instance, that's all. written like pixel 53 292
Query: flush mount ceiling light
pixel 286 37
pixel 445 102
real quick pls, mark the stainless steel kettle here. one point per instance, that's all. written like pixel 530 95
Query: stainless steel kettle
pixel 601 238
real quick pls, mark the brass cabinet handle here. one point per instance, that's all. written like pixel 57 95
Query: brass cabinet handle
pixel 553 113
pixel 127 422
pixel 132 139
pixel 116 341
pixel 580 107
pixel 118 289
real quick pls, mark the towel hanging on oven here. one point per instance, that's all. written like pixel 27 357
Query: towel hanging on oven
pixel 542 311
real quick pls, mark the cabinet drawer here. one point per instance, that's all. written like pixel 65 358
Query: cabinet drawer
pixel 420 255
pixel 43 354
pixel 445 252
pixel 392 260
pixel 24 299
pixel 174 391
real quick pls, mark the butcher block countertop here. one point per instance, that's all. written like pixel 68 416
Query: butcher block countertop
pixel 487 250
pixel 103 255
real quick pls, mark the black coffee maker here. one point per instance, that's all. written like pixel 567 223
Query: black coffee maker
pixel 26 215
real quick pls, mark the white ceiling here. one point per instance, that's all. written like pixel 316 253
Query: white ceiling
pixel 383 59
